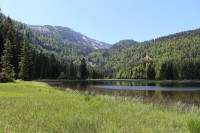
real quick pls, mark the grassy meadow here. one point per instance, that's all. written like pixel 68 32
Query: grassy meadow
pixel 37 107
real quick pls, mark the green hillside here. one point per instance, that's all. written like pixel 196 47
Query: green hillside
pixel 57 52
pixel 181 48
pixel 63 42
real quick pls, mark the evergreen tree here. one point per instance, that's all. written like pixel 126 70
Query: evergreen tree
pixel 71 71
pixel 16 52
pixel 163 71
pixel 83 69
pixel 26 63
pixel 170 70
pixel 150 71
pixel 1 36
pixel 7 70
pixel 53 67
pixel 1 45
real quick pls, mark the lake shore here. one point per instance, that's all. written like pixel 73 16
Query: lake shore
pixel 163 92
pixel 37 107
pixel 131 80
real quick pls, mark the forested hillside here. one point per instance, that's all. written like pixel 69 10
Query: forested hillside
pixel 124 44
pixel 11 43
pixel 21 58
pixel 64 42
pixel 175 56
pixel 45 52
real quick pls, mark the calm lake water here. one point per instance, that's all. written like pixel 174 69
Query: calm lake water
pixel 186 91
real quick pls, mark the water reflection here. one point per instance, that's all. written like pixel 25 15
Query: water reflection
pixel 184 91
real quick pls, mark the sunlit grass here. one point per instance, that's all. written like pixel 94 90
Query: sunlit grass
pixel 36 107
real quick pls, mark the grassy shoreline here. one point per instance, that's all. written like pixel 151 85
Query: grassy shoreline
pixel 37 107
pixel 131 80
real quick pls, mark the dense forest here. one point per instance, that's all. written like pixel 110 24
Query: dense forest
pixel 63 42
pixel 27 55
pixel 175 56
pixel 20 58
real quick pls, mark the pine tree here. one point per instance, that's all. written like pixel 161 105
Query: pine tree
pixel 163 71
pixel 1 44
pixel 26 63
pixel 7 70
pixel 150 71
pixel 72 73
pixel 83 69
pixel 16 51
pixel 1 36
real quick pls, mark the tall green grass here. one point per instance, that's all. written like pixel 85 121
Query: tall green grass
pixel 36 107
pixel 194 125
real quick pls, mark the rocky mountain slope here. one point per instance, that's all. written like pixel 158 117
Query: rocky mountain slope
pixel 60 33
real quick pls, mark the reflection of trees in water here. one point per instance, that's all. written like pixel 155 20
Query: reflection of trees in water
pixel 166 94
pixel 76 85
pixel 150 93
pixel 128 83
pixel 188 97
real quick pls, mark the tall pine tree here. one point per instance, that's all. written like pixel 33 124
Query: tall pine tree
pixel 83 69
pixel 150 71
pixel 26 63
pixel 72 73
pixel 7 70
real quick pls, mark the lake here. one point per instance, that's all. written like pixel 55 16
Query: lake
pixel 185 91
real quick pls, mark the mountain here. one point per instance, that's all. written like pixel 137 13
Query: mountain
pixel 66 34
pixel 123 44
pixel 180 53
pixel 175 56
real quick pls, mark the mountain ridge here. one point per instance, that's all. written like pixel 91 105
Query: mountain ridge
pixel 67 34
pixel 174 47
pixel 124 44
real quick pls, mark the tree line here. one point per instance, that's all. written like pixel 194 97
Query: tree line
pixel 173 57
pixel 15 51
pixel 167 70
pixel 179 52
pixel 19 59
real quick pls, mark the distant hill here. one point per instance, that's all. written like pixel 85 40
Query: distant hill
pixel 66 34
pixel 123 44
pixel 181 48
pixel 175 56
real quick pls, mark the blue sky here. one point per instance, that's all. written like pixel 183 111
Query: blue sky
pixel 109 20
